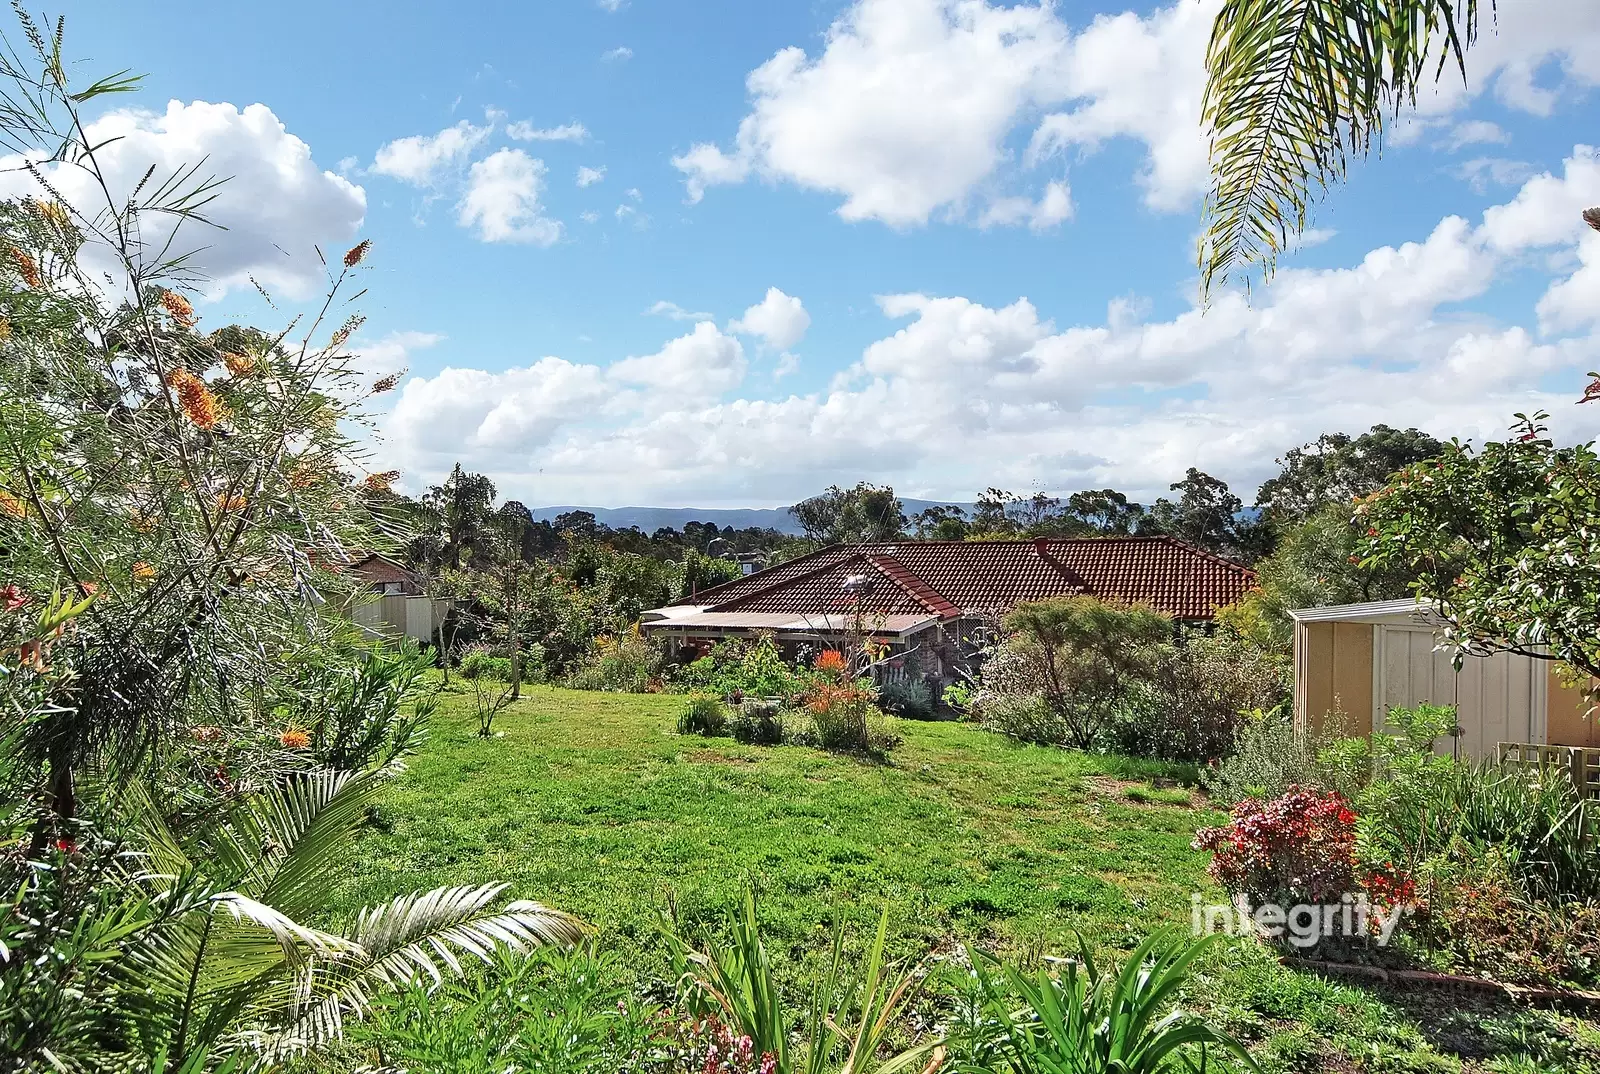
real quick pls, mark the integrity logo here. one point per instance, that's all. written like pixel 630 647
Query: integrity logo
pixel 1303 925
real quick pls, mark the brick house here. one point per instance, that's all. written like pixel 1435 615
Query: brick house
pixel 933 601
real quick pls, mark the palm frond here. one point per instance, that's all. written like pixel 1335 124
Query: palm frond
pixel 1296 87
pixel 408 939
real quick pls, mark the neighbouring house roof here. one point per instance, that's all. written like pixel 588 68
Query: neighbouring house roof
pixel 933 581
pixel 374 568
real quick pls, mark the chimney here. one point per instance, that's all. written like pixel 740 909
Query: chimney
pixel 1041 545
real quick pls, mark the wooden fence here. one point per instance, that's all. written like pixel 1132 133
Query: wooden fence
pixel 1581 764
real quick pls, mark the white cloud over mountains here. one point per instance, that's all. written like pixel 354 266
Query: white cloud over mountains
pixel 275 206
pixel 920 109
pixel 965 394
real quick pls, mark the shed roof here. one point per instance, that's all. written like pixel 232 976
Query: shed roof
pixel 1408 609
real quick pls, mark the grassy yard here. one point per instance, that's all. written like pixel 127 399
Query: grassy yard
pixel 591 803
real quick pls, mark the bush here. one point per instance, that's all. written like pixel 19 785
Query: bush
pixel 1299 848
pixel 757 723
pixel 482 664
pixel 1191 707
pixel 1268 756
pixel 703 715
pixel 629 664
pixel 843 717
pixel 738 668
pixel 359 710
pixel 911 699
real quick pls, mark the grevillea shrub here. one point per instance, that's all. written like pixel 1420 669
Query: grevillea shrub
pixel 1299 848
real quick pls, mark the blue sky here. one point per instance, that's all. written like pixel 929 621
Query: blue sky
pixel 978 218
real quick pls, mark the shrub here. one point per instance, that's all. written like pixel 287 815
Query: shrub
pixel 629 664
pixel 703 715
pixel 843 717
pixel 911 699
pixel 1079 655
pixel 482 664
pixel 1268 756
pixel 360 713
pixel 1191 707
pixel 1479 918
pixel 757 723
pixel 1299 848
pixel 737 667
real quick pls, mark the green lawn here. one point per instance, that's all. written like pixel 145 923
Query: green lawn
pixel 591 803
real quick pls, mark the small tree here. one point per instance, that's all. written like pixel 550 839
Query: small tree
pixel 1504 540
pixel 1085 651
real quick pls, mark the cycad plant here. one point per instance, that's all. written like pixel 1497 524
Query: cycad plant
pixel 1083 1019
pixel 202 947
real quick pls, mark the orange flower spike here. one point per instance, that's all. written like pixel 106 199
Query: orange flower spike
pixel 353 256
pixel 386 384
pixel 294 739
pixel 143 572
pixel 199 405
pixel 179 309
pixel 27 268
pixel 12 506
pixel 239 365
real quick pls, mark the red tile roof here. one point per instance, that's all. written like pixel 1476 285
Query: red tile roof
pixel 951 578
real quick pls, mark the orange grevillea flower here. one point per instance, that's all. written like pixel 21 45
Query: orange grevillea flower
pixel 27 268
pixel 143 572
pixel 178 309
pixel 206 734
pixel 386 384
pixel 199 405
pixel 230 503
pixel 239 365
pixel 380 482
pixel 12 506
pixel 353 256
pixel 831 660
pixel 294 739
pixel 55 212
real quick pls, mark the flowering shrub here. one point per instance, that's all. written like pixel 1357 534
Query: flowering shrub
pixel 831 662
pixel 844 717
pixel 1299 848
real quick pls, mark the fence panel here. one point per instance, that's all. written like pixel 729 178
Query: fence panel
pixel 1580 764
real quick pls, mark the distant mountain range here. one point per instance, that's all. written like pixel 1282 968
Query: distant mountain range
pixel 650 519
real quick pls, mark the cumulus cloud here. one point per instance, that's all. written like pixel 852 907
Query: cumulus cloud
pixel 275 206
pixel 962 394
pixel 778 319
pixel 590 176
pixel 421 159
pixel 617 55
pixel 502 200
pixel 523 131
pixel 483 414
pixel 704 363
pixel 391 353
pixel 909 110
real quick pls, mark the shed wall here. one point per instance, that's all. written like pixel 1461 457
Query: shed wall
pixel 1333 665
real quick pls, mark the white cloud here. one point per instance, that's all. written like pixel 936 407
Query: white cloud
pixel 909 110
pixel 420 159
pixel 705 363
pixel 502 200
pixel 523 131
pixel 963 394
pixel 590 176
pixel 1052 208
pixel 1314 236
pixel 1475 132
pixel 589 216
pixel 274 208
pixel 1481 173
pixel 617 55
pixel 780 320
pixel 903 113
pixel 471 413
pixel 391 353
pixel 612 6
pixel 675 312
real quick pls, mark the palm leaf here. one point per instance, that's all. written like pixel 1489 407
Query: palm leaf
pixel 408 939
pixel 1294 88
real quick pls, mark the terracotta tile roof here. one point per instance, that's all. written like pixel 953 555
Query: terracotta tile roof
pixel 971 577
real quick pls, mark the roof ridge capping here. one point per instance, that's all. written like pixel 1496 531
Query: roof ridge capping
pixel 908 580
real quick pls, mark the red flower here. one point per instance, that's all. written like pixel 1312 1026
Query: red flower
pixel 14 598
pixel 66 846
